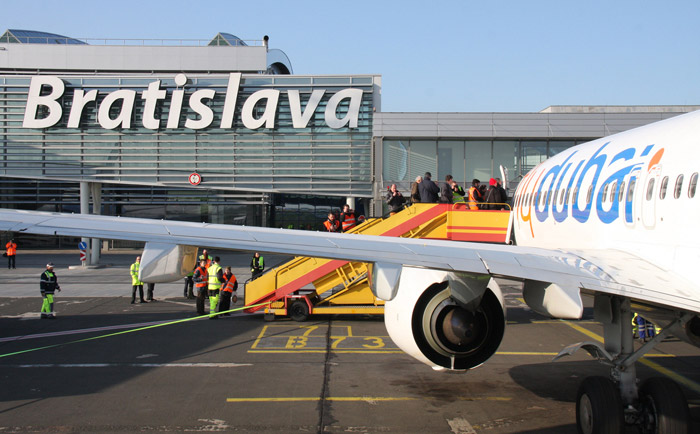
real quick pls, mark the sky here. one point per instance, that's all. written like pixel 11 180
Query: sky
pixel 433 56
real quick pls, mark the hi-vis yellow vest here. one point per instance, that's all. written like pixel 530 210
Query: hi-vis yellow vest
pixel 135 274
pixel 214 283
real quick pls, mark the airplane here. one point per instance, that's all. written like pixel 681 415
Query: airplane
pixel 611 219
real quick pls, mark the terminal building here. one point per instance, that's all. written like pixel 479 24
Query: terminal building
pixel 222 131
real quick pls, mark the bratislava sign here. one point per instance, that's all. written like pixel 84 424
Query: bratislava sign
pixel 116 108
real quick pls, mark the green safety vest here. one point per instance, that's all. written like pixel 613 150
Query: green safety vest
pixel 135 274
pixel 214 282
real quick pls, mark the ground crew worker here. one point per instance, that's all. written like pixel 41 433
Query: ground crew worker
pixel 474 195
pixel 216 278
pixel 206 257
pixel 347 218
pixel 228 289
pixel 189 285
pixel 135 282
pixel 257 266
pixel 47 285
pixel 149 292
pixel 332 225
pixel 201 282
pixel 642 328
pixel 11 252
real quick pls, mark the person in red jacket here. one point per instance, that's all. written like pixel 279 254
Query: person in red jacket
pixel 11 247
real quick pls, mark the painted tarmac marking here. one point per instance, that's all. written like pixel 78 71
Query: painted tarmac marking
pixel 132 365
pixel 80 331
pixel 368 399
pixel 690 384
pixel 324 352
pixel 460 425
pixel 290 340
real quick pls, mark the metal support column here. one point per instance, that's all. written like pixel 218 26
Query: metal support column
pixel 96 189
pixel 85 209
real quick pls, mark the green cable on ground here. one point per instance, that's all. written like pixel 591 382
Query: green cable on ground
pixel 209 315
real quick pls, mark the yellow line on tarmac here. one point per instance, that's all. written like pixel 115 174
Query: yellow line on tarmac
pixel 324 351
pixel 314 399
pixel 523 353
pixel 690 384
pixel 260 336
pixel 359 399
pixel 585 331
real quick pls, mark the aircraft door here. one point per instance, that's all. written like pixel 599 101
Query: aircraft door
pixel 648 195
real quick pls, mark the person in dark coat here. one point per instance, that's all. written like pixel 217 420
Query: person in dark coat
pixel 428 189
pixel 446 190
pixel 504 193
pixel 394 199
pixel 493 196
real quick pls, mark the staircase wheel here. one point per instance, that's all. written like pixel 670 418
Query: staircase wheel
pixel 299 311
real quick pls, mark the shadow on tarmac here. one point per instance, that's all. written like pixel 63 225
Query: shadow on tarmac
pixel 176 343
pixel 560 381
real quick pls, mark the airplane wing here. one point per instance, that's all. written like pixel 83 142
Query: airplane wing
pixel 569 271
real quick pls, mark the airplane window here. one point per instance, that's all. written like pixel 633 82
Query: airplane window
pixel 630 189
pixel 561 196
pixel 693 184
pixel 588 196
pixel 527 199
pixel 612 191
pixel 650 189
pixel 574 195
pixel 662 188
pixel 621 194
pixel 679 187
pixel 549 197
pixel 605 192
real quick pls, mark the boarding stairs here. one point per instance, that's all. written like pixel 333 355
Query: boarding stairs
pixel 336 286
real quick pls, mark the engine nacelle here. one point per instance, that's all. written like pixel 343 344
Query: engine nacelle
pixel 161 263
pixel 446 319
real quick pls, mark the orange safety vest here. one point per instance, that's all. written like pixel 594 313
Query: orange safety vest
pixel 208 259
pixel 472 203
pixel 229 284
pixel 331 227
pixel 204 279
pixel 349 221
pixel 11 248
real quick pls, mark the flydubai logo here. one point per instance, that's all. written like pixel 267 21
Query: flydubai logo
pixel 578 186
pixel 116 109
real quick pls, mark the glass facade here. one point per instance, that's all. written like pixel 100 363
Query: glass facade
pixel 403 160
pixel 144 171
pixel 314 159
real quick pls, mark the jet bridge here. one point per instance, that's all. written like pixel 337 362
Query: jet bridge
pixel 305 286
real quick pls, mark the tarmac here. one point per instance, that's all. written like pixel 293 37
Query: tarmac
pixel 107 366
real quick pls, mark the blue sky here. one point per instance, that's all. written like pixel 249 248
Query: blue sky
pixel 447 56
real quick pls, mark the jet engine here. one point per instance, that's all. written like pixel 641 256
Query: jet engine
pixel 448 320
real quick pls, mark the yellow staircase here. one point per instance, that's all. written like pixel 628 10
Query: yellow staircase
pixel 334 286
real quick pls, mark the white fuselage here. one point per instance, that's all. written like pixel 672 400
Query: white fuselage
pixel 633 192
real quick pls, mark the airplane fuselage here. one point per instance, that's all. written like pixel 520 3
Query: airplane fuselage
pixel 633 192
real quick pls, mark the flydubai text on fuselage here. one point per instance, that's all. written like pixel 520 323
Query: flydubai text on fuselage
pixel 604 194
pixel 47 91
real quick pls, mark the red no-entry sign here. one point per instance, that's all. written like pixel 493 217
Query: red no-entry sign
pixel 194 178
